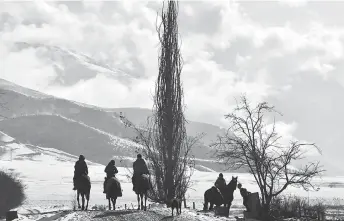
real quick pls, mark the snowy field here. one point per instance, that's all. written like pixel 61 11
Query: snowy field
pixel 48 173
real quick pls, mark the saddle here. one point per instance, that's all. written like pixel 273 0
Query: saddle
pixel 85 176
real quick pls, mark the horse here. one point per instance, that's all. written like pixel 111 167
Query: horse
pixel 113 190
pixel 142 187
pixel 215 197
pixel 229 193
pixel 83 188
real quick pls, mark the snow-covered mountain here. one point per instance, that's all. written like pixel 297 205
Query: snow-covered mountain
pixel 44 120
pixel 32 117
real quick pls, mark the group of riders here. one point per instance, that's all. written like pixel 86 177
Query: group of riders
pixel 139 167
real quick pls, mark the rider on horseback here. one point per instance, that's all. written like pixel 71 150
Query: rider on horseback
pixel 139 167
pixel 111 171
pixel 80 168
pixel 220 183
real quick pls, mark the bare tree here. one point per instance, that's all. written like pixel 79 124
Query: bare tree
pixel 251 143
pixel 165 141
pixel 170 121
pixel 146 137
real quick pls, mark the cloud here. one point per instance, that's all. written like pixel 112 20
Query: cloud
pixel 294 3
pixel 291 56
pixel 25 68
pixel 106 92
pixel 127 39
pixel 93 5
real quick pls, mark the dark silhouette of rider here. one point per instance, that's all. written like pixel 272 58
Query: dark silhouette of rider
pixel 111 171
pixel 220 183
pixel 80 168
pixel 139 167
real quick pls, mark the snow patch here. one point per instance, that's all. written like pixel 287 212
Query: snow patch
pixel 5 138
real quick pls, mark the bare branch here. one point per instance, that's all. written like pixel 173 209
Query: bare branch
pixel 250 144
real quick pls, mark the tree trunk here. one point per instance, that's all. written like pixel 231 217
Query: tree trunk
pixel 266 209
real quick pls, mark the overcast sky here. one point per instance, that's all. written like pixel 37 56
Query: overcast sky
pixel 289 53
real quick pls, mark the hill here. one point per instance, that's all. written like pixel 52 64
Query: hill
pixel 67 135
pixel 139 116
pixel 35 118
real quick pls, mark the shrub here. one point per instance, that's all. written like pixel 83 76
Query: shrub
pixel 335 209
pixel 11 192
pixel 289 206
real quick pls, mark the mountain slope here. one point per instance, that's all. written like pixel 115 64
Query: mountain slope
pixel 69 136
pixel 23 101
pixel 38 119
pixel 139 117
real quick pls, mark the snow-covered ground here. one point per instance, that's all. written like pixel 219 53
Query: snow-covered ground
pixel 48 173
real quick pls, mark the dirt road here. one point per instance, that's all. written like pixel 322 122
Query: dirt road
pixel 132 215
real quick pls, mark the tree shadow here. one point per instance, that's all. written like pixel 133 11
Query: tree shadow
pixel 113 213
pixel 168 218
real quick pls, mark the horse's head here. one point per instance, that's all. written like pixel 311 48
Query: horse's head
pixel 233 183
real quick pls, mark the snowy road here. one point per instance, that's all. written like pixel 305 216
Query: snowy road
pixel 157 214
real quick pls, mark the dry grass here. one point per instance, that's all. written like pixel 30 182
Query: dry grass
pixel 99 207
pixel 289 206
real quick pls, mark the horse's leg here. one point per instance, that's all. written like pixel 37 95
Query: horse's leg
pixel 114 203
pixel 138 201
pixel 87 199
pixel 211 206
pixel 145 201
pixel 109 203
pixel 141 195
pixel 229 204
pixel 83 201
pixel 77 198
pixel 205 204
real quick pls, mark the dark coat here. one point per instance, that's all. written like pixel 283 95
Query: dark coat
pixel 80 168
pixel 110 170
pixel 244 193
pixel 140 167
pixel 220 182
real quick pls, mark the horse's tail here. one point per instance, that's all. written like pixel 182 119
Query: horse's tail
pixel 143 184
